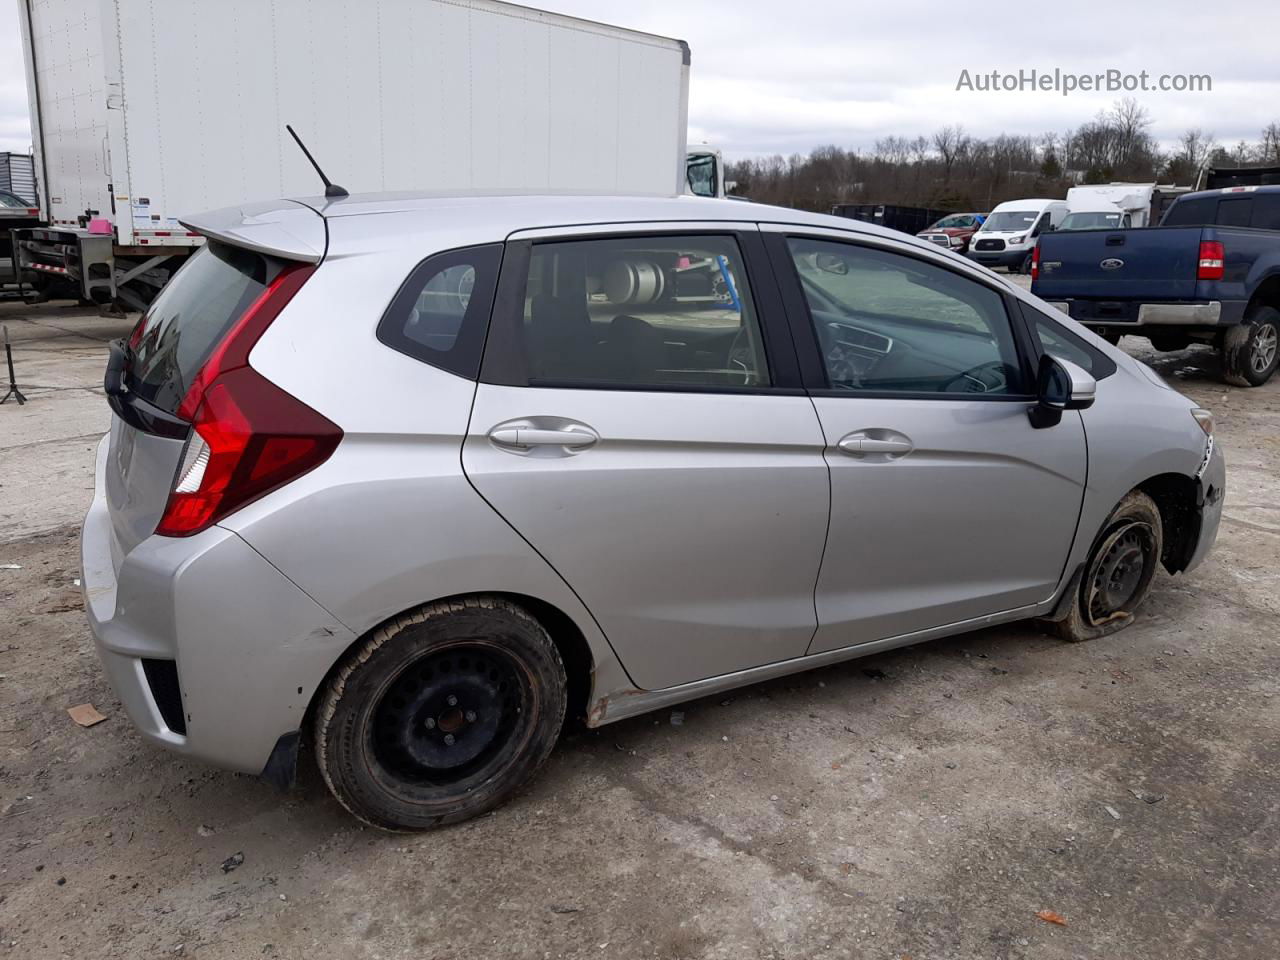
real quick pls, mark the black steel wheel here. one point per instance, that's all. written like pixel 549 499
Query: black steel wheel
pixel 1120 567
pixel 441 714
pixel 450 714
pixel 1117 574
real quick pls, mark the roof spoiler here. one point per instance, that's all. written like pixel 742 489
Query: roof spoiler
pixel 280 228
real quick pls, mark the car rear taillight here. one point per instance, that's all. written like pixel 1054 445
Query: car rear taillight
pixel 250 437
pixel 1212 261
pixel 1035 262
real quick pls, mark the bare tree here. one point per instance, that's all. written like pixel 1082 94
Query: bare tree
pixel 951 142
pixel 1196 147
pixel 895 150
pixel 955 171
pixel 1131 120
pixel 1269 149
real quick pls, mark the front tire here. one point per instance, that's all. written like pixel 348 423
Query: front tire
pixel 1117 574
pixel 441 714
pixel 1251 350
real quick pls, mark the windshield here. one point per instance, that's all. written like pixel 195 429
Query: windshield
pixel 702 176
pixel 1010 220
pixel 1100 220
pixel 957 220
pixel 9 200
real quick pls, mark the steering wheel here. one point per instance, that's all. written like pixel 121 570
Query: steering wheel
pixel 840 367
pixel 989 376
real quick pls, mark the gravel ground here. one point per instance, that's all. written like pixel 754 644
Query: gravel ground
pixel 925 803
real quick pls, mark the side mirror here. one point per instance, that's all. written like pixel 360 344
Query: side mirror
pixel 1060 385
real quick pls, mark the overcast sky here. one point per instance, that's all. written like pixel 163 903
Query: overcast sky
pixel 783 76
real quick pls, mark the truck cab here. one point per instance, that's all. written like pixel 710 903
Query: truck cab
pixel 1099 215
pixel 1134 199
pixel 704 170
pixel 1012 230
pixel 954 231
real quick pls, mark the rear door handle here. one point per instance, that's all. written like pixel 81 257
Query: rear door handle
pixel 863 443
pixel 574 438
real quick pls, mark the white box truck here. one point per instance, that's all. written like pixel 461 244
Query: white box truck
pixel 143 112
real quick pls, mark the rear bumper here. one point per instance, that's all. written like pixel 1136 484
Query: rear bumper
pixel 249 646
pixel 1209 313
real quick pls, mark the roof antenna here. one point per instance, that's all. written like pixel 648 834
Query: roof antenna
pixel 330 189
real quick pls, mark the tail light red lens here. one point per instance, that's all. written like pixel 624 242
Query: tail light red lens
pixel 1212 261
pixel 135 335
pixel 250 437
pixel 1035 261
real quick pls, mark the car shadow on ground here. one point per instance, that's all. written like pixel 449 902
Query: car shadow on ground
pixel 1197 363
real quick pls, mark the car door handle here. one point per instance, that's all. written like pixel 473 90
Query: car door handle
pixel 574 439
pixel 863 443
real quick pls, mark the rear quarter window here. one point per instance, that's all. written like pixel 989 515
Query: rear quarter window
pixel 440 315
pixel 1195 212
pixel 1235 212
pixel 1266 211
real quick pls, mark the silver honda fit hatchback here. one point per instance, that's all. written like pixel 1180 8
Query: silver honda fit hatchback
pixel 416 479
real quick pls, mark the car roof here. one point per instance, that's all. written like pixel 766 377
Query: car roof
pixel 516 210
pixel 290 227
pixel 1028 202
pixel 1248 190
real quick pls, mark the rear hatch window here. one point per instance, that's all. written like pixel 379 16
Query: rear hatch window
pixel 189 319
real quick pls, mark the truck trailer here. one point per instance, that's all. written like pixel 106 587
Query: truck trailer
pixel 145 112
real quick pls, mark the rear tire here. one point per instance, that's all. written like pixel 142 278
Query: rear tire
pixel 1251 350
pixel 1117 574
pixel 441 714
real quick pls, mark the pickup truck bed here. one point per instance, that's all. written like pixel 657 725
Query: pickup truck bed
pixel 1210 274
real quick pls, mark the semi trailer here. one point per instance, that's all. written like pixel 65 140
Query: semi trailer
pixel 144 112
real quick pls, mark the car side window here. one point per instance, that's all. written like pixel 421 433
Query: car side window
pixel 1266 211
pixel 889 323
pixel 635 312
pixel 441 313
pixel 1056 340
pixel 1235 212
pixel 1195 212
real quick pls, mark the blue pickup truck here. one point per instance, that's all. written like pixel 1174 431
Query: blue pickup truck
pixel 1210 273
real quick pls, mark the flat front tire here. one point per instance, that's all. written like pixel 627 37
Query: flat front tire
pixel 441 714
pixel 1117 573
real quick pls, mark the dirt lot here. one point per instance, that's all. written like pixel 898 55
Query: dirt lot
pixel 924 803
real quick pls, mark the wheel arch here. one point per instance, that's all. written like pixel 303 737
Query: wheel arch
pixel 570 641
pixel 1267 293
pixel 1177 497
